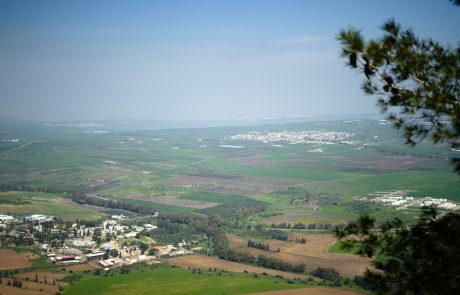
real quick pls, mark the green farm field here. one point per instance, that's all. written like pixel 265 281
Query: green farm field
pixel 45 203
pixel 165 280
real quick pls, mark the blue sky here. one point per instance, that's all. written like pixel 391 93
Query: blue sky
pixel 199 60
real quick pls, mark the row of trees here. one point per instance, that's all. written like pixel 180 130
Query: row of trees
pixel 213 227
pixel 299 225
pixel 299 240
pixel 326 273
pixel 222 250
pixel 258 245
pixel 278 264
pixel 236 210
pixel 261 231
pixel 113 204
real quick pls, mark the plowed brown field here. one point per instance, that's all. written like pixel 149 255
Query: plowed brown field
pixel 313 254
pixel 9 259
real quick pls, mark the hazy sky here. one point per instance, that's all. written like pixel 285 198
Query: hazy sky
pixel 192 59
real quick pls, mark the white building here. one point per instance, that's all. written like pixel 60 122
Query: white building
pixel 149 227
pixel 118 217
pixel 39 218
pixel 83 243
pixel 6 218
pixel 131 234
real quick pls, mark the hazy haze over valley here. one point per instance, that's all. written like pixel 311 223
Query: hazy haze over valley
pixel 196 60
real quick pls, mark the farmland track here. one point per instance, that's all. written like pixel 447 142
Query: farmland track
pixel 16 148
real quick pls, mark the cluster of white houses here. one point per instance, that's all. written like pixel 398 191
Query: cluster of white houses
pixel 98 244
pixel 298 137
pixel 5 219
pixel 401 199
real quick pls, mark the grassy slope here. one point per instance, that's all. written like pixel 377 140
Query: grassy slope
pixel 176 281
pixel 211 197
pixel 45 203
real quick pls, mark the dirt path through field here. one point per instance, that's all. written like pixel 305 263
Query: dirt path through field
pixel 16 148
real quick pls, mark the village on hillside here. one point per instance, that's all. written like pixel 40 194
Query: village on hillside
pixel 113 242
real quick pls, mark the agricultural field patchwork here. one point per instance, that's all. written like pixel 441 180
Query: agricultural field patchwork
pixel 285 186
pixel 306 172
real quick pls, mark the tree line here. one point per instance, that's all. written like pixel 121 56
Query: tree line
pixel 113 204
pixel 299 240
pixel 258 245
pixel 213 227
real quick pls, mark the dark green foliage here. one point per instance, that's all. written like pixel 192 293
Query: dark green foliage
pixel 416 81
pixel 277 264
pixel 258 245
pixel 124 270
pixel 263 233
pixel 16 283
pixel 327 274
pixel 173 232
pixel 14 202
pixel 299 226
pixel 113 204
pixel 420 259
pixel 143 247
pixel 283 225
pixel 241 207
pixel 222 249
pixel 299 240
pixel 276 234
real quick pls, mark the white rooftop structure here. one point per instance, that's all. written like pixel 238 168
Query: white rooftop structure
pixel 149 226
pixel 6 218
pixel 131 234
pixel 39 218
pixel 118 217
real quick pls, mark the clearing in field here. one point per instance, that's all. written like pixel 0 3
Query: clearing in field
pixel 174 201
pixel 302 218
pixel 9 259
pixel 166 280
pixel 206 262
pixel 313 254
pixel 212 197
pixel 247 185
